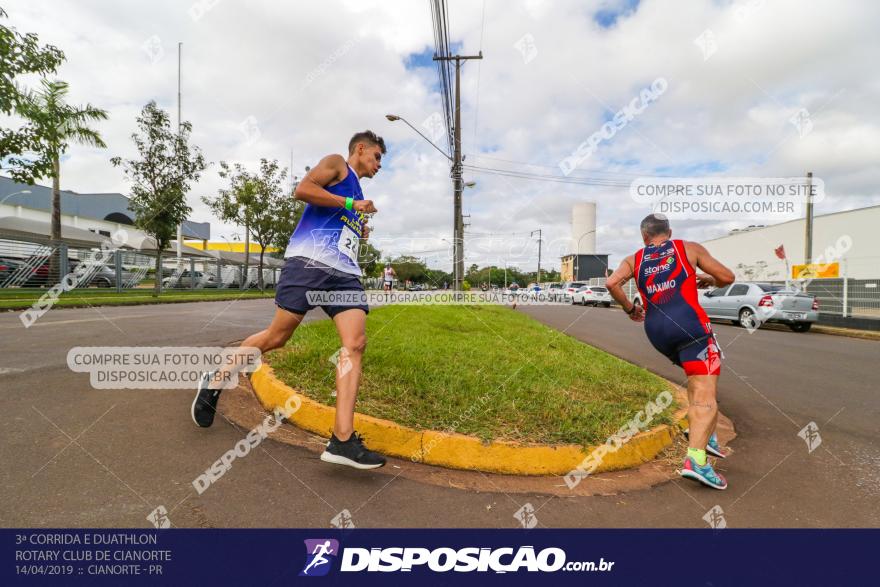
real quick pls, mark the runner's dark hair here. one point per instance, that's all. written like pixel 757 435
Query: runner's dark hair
pixel 368 137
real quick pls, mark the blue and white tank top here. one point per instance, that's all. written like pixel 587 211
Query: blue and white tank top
pixel 328 235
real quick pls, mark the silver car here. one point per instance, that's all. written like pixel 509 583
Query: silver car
pixel 753 304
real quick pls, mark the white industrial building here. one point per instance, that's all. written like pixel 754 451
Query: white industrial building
pixel 583 262
pixel 102 214
pixel 848 238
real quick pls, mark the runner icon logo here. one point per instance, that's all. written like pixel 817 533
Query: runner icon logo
pixel 342 520
pixel 715 518
pixel 320 554
pixel 159 518
pixel 810 434
pixel 526 516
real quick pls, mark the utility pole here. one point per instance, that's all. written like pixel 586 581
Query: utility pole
pixel 179 226
pixel 808 237
pixel 538 279
pixel 458 184
pixel 808 228
pixel 179 52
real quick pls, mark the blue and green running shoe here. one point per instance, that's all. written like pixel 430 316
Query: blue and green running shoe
pixel 713 448
pixel 705 474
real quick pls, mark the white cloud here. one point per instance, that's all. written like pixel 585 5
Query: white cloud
pixel 310 74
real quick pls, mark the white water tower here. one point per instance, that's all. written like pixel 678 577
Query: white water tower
pixel 583 228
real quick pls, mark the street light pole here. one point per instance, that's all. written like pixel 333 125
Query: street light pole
pixel 577 255
pixel 458 186
pixel 14 194
pixel 179 226
pixel 538 279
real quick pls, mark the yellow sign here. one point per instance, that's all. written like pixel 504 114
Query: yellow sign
pixel 234 246
pixel 815 271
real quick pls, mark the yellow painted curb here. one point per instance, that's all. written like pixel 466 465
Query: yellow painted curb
pixel 458 451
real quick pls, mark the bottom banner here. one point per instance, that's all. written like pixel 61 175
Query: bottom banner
pixel 436 557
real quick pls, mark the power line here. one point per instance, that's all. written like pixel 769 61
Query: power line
pixel 496 233
pixel 593 181
pixel 527 164
pixel 439 18
pixel 479 71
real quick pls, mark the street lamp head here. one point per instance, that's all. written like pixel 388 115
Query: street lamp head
pixel 392 117
pixel 470 184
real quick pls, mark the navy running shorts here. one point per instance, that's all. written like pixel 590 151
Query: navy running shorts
pixel 301 276
pixel 697 354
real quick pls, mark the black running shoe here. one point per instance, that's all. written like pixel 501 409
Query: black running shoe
pixel 205 405
pixel 352 453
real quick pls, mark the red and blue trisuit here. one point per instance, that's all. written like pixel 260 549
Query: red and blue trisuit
pixel 675 322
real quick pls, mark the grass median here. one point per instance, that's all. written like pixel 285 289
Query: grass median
pixel 485 371
pixel 21 299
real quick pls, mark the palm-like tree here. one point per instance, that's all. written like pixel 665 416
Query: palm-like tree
pixel 59 124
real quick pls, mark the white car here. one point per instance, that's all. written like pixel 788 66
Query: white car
pixel 568 289
pixel 591 295
pixel 554 291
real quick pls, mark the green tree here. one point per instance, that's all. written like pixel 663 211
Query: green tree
pixel 258 202
pixel 282 237
pixel 369 258
pixel 437 277
pixel 160 177
pixel 20 149
pixel 409 268
pixel 57 125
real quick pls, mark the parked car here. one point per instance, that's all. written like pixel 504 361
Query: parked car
pixel 753 304
pixel 185 279
pixel 38 276
pixel 554 291
pixel 7 268
pixel 568 289
pixel 106 277
pixel 592 295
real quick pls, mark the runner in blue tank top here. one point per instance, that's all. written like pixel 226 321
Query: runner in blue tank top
pixel 321 257
pixel 677 326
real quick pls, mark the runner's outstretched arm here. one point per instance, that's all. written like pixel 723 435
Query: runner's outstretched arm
pixel 716 274
pixel 330 169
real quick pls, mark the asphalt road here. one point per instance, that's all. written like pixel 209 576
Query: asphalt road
pixel 74 456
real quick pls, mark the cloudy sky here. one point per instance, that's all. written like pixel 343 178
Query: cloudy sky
pixel 271 79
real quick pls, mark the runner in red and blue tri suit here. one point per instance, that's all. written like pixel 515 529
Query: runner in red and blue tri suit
pixel 677 326
pixel 675 323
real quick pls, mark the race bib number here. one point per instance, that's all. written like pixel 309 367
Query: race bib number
pixel 348 244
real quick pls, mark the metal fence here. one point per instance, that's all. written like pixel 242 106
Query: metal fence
pixel 845 296
pixel 26 264
pixel 200 273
